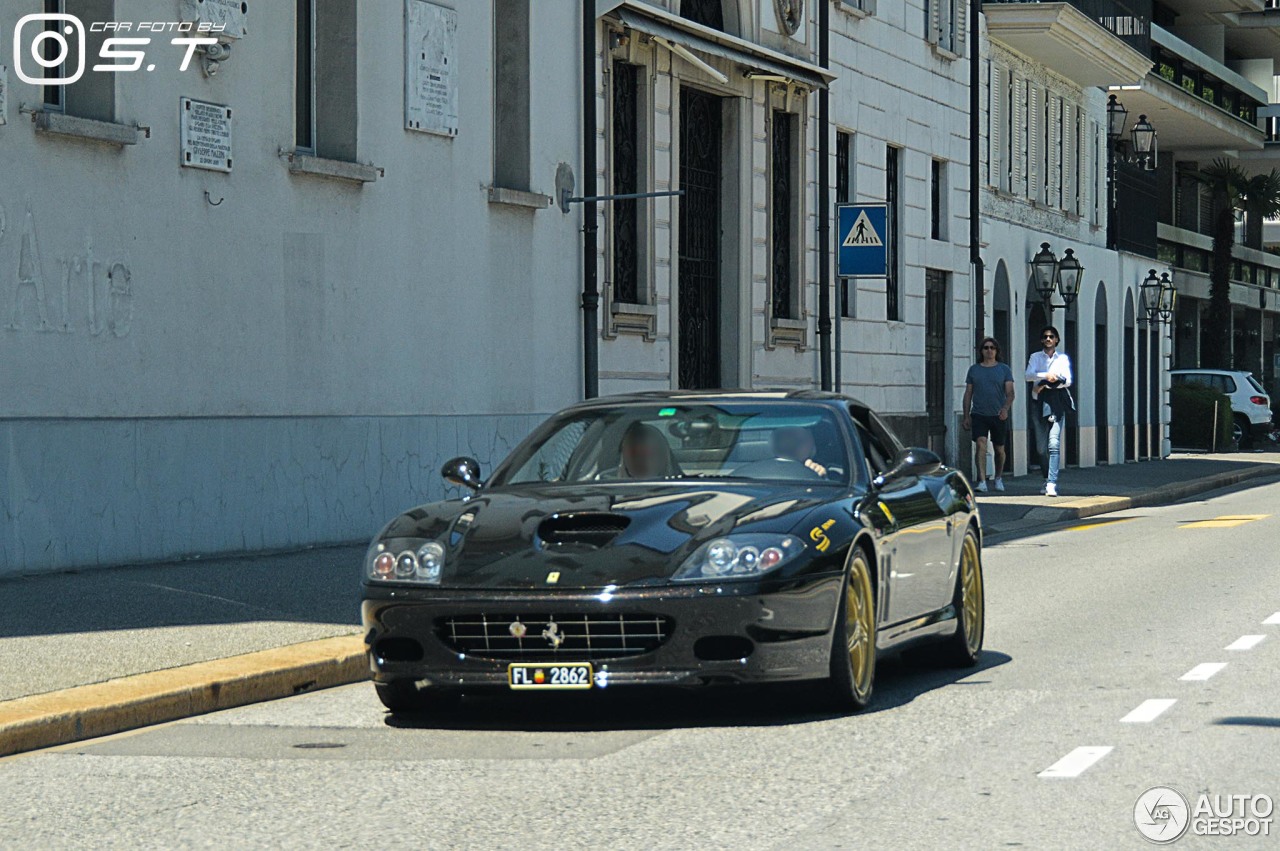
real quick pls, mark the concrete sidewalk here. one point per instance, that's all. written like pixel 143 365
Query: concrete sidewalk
pixel 90 653
pixel 1022 510
pixel 94 652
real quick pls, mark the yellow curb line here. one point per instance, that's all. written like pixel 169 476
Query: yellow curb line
pixel 86 712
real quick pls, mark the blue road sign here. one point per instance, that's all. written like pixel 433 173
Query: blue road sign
pixel 860 240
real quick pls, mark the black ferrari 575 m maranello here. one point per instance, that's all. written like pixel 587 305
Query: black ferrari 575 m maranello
pixel 682 539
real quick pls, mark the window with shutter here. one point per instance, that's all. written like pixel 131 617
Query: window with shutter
pixel 961 22
pixel 1097 178
pixel 1035 143
pixel 997 135
pixel 1018 127
pixel 1053 151
pixel 1070 155
pixel 933 20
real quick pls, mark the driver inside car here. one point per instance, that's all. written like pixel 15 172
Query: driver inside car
pixel 796 443
pixel 646 454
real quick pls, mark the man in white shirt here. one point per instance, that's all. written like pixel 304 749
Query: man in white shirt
pixel 1049 372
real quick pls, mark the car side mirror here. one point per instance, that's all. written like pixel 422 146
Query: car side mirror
pixel 462 471
pixel 910 462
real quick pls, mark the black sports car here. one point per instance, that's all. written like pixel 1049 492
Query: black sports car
pixel 682 539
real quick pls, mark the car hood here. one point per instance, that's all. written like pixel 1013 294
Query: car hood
pixel 595 536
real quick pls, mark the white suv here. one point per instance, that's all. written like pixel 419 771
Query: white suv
pixel 1249 402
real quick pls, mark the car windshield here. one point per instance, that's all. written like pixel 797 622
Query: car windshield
pixel 764 441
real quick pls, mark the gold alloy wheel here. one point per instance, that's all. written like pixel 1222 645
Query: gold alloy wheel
pixel 859 613
pixel 971 594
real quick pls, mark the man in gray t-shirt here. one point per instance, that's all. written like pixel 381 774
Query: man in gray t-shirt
pixel 988 398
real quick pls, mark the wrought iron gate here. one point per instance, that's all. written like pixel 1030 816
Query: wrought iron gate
pixel 699 287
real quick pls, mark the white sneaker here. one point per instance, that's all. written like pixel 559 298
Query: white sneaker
pixel 1050 489
pixel 982 486
pixel 999 483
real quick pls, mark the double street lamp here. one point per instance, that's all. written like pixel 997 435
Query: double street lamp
pixel 1052 275
pixel 1159 298
pixel 1142 136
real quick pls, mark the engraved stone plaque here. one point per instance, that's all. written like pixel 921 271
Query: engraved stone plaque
pixel 205 135
pixel 431 78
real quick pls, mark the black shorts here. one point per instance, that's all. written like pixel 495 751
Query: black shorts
pixel 984 425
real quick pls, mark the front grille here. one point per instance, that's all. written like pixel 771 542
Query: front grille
pixel 581 637
pixel 590 529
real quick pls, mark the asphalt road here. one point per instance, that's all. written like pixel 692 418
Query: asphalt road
pixel 1085 627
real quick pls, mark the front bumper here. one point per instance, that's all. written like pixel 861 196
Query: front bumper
pixel 785 630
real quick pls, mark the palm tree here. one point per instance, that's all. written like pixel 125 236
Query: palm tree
pixel 1259 198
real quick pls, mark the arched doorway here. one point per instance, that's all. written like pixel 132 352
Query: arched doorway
pixel 1036 320
pixel 1071 345
pixel 1143 393
pixel 1102 425
pixel 1002 330
pixel 1130 379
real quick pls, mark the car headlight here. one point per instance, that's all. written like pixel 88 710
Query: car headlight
pixel 406 560
pixel 740 556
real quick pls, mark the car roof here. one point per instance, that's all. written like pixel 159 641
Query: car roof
pixel 713 396
pixel 1208 371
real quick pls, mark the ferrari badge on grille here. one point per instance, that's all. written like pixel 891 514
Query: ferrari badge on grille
pixel 517 629
pixel 553 635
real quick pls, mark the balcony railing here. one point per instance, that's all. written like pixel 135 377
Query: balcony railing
pixel 1128 20
pixel 1203 85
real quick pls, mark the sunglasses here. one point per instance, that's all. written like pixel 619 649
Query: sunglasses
pixel 1048 337
pixel 988 346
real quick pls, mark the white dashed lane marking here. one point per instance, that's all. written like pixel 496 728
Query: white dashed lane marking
pixel 1148 711
pixel 1246 642
pixel 1274 619
pixel 1077 762
pixel 1203 671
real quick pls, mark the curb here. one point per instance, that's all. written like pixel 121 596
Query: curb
pixel 1044 515
pixel 87 712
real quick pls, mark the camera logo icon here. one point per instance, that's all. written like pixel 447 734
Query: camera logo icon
pixel 32 32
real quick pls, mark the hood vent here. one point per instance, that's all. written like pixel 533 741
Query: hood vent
pixel 589 530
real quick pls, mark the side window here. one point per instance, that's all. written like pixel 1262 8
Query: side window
pixel 1228 384
pixel 873 449
pixel 1178 378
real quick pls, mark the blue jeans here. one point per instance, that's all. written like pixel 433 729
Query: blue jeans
pixel 1049 443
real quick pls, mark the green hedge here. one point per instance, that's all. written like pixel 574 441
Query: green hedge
pixel 1192 425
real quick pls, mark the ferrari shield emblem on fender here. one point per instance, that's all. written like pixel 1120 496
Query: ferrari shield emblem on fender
pixel 553 577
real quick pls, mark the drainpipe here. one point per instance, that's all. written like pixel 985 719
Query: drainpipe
pixel 975 177
pixel 824 203
pixel 590 282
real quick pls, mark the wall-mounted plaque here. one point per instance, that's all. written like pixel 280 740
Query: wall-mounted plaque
pixel 205 135
pixel 230 15
pixel 431 73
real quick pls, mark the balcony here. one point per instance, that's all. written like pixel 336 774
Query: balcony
pixel 1090 42
pixel 1196 102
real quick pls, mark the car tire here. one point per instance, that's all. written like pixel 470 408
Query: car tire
pixel 405 696
pixel 853 643
pixel 964 646
pixel 1241 430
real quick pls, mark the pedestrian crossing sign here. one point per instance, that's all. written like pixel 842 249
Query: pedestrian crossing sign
pixel 860 238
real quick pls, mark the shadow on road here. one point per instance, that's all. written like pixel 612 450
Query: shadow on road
pixel 899 680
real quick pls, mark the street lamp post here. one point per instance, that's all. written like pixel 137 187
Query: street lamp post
pixel 1142 138
pixel 1159 299
pixel 1052 275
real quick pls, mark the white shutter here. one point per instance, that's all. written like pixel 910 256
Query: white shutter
pixel 1085 195
pixel 933 20
pixel 962 18
pixel 1096 177
pixel 1035 143
pixel 1018 180
pixel 997 133
pixel 1070 151
pixel 1054 160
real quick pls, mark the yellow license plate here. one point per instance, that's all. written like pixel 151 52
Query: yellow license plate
pixel 570 675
